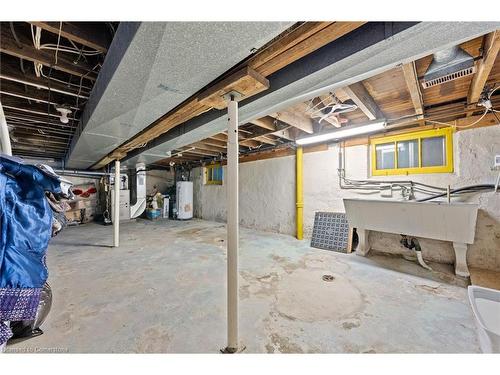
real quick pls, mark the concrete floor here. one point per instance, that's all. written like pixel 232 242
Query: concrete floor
pixel 163 290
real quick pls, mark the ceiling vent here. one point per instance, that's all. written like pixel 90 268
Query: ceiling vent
pixel 448 65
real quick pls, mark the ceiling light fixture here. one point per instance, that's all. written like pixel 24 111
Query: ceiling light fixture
pixel 343 133
pixel 64 111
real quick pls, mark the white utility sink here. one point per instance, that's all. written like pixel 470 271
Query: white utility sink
pixel 454 222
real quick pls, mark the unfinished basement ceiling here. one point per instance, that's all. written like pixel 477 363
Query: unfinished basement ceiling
pixel 328 69
pixel 40 72
pixel 153 67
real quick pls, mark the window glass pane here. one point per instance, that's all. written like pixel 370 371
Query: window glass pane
pixel 408 154
pixel 217 173
pixel 385 156
pixel 220 173
pixel 433 151
pixel 209 176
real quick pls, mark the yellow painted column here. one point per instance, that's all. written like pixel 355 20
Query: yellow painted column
pixel 299 194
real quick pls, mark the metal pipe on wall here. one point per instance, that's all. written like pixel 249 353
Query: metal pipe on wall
pixel 232 225
pixel 299 193
pixel 76 172
pixel 4 134
pixel 116 208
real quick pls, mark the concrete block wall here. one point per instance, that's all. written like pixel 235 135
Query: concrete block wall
pixel 267 194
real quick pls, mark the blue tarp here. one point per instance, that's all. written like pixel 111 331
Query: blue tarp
pixel 25 231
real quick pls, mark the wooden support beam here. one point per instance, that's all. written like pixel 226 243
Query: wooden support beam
pixel 294 37
pixel 245 81
pixel 291 51
pixel 78 33
pixel 278 55
pixel 296 119
pixel 410 74
pixel 28 52
pixel 491 46
pixel 360 96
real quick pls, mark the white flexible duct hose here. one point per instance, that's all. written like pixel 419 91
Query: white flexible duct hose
pixel 140 205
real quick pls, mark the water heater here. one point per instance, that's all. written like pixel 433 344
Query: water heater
pixel 184 199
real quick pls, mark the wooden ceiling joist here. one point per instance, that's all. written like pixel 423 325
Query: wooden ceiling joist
pixel 281 52
pixel 34 109
pixel 34 129
pixel 85 36
pixel 267 122
pixel 295 118
pixel 360 96
pixel 410 74
pixel 27 51
pixel 41 83
pixel 31 94
pixel 491 46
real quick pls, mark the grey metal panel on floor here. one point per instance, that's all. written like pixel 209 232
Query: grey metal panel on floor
pixel 330 231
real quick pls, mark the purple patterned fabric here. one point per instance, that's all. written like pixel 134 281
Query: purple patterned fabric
pixel 17 304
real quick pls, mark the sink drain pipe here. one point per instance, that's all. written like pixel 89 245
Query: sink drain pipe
pixel 412 243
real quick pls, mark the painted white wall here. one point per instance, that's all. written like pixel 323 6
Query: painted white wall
pixel 266 189
pixel 267 194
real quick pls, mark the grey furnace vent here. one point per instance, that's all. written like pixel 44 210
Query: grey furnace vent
pixel 448 65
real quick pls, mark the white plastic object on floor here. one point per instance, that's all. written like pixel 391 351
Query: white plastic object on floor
pixel 421 261
pixel 485 305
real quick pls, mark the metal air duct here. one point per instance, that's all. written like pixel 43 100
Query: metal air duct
pixel 448 65
pixel 140 205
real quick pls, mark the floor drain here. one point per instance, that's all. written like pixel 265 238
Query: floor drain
pixel 328 278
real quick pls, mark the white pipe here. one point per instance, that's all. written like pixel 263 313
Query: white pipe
pixel 232 226
pixel 421 261
pixel 4 134
pixel 116 208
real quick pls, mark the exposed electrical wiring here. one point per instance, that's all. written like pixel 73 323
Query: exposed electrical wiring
pixel 58 40
pixel 407 188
